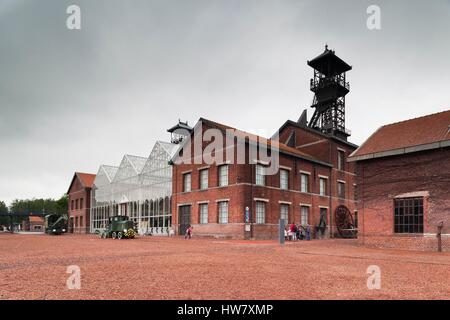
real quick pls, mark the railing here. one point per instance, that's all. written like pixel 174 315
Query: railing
pixel 318 83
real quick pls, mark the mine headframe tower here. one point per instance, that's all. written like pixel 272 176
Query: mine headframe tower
pixel 330 88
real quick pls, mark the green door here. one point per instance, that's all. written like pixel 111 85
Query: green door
pixel 184 218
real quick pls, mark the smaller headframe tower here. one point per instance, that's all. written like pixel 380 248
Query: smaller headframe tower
pixel 330 87
pixel 179 132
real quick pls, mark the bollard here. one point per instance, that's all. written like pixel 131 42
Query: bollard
pixel 281 231
pixel 439 235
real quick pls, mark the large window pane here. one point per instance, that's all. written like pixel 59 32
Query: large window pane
pixel 408 215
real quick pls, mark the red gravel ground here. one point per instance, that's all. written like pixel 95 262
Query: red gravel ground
pixel 34 267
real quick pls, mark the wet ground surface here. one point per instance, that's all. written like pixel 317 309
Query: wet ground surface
pixel 35 267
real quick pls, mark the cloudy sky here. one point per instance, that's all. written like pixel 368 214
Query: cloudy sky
pixel 71 100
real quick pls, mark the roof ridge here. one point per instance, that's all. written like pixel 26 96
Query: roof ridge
pixel 416 118
pixel 305 154
pixel 133 155
pixel 78 172
pixel 108 165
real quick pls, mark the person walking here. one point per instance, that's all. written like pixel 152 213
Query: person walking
pixel 293 231
pixel 308 232
pixel 188 233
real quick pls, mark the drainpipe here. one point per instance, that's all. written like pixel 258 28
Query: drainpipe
pixel 253 168
pixel 175 194
pixel 363 204
pixel 330 194
pixel 331 204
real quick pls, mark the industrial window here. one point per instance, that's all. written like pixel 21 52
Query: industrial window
pixel 223 175
pixel 260 212
pixel 304 186
pixel 408 215
pixel 223 211
pixel 284 179
pixel 204 179
pixel 323 186
pixel 81 221
pixel 341 160
pixel 203 213
pixel 187 182
pixel 284 212
pixel 304 215
pixel 81 203
pixel 260 175
pixel 341 189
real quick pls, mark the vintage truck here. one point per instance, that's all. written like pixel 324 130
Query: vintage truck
pixel 119 227
pixel 55 224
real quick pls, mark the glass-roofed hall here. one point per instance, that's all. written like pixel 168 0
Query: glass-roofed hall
pixel 139 187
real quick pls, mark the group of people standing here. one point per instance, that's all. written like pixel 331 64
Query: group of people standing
pixel 297 232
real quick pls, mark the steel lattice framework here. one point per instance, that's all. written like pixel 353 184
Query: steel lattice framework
pixel 139 188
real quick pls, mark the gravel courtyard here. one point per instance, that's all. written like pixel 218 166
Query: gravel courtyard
pixel 34 267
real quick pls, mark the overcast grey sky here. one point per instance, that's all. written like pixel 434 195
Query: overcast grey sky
pixel 71 100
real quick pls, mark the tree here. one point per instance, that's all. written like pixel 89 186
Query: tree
pixel 62 205
pixel 4 220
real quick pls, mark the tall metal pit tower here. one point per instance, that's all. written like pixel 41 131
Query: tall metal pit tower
pixel 330 88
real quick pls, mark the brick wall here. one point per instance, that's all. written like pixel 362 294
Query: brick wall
pixel 78 192
pixel 242 191
pixel 381 180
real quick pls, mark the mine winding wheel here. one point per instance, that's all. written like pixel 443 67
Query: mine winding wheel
pixel 345 223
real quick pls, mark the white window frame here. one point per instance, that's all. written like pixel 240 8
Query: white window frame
pixel 187 186
pixel 304 187
pixel 322 186
pixel 204 179
pixel 260 177
pixel 304 215
pixel 223 175
pixel 284 215
pixel 203 212
pixel 222 207
pixel 260 212
pixel 284 179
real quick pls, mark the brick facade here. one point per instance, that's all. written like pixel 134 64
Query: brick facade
pixel 242 191
pixel 79 197
pixel 381 180
pixel 424 174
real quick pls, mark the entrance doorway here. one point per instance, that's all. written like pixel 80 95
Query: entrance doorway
pixel 184 215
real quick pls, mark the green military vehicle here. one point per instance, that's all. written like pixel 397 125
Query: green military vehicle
pixel 55 224
pixel 119 227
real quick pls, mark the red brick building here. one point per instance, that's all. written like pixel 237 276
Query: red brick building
pixel 404 184
pixel 33 223
pixel 313 180
pixel 80 202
